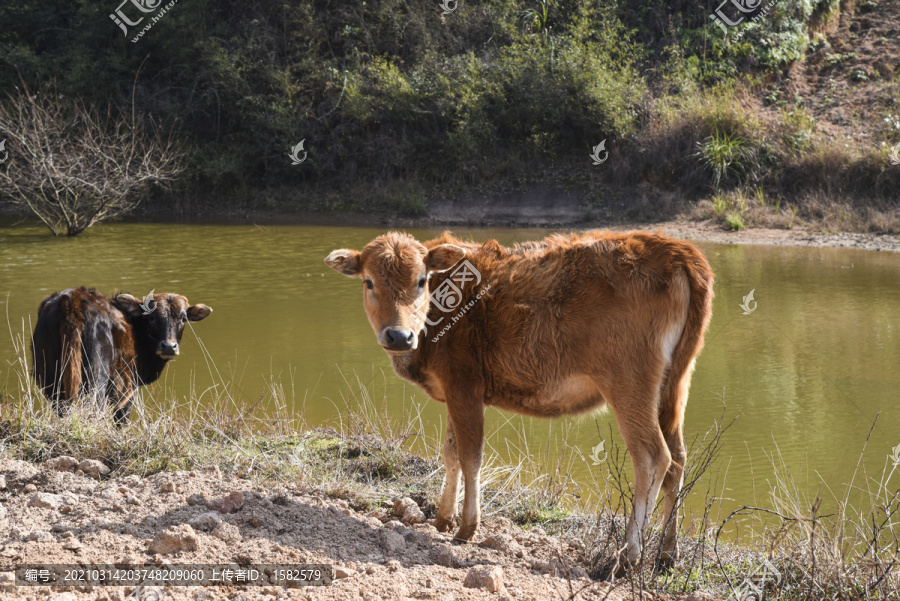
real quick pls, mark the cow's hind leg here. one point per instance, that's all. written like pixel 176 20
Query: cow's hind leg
pixel 639 424
pixel 671 488
pixel 468 428
pixel 447 511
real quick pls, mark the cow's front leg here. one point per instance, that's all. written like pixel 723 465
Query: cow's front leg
pixel 468 428
pixel 447 511
pixel 123 393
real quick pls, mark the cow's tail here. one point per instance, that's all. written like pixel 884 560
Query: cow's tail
pixel 56 349
pixel 674 392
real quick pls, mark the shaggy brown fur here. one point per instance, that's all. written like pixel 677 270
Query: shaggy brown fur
pixel 556 327
pixel 86 345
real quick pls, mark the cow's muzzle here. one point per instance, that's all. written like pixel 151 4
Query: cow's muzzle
pixel 167 350
pixel 397 339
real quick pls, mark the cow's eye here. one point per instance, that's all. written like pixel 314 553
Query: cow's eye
pixel 183 318
pixel 422 282
pixel 369 284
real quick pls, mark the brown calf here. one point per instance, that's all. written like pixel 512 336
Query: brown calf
pixel 86 345
pixel 557 327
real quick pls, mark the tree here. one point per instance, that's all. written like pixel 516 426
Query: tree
pixel 73 165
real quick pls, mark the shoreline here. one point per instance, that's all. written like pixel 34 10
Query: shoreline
pixel 561 218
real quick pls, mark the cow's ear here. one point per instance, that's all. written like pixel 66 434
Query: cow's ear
pixel 344 261
pixel 129 304
pixel 198 312
pixel 443 257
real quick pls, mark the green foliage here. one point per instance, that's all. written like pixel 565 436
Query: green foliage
pixel 798 126
pixel 724 155
pixel 378 90
pixel 735 221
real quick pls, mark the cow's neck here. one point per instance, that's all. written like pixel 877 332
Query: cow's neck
pixel 149 365
pixel 409 365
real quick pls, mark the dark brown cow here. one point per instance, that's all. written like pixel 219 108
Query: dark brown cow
pixel 557 327
pixel 86 345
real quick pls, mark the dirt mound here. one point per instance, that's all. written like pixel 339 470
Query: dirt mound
pixel 199 517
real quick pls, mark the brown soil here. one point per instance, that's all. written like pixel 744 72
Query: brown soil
pixel 378 557
pixel 848 83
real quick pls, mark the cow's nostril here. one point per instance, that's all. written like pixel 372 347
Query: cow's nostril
pixel 398 339
pixel 168 348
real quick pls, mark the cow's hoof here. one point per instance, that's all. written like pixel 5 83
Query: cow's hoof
pixel 623 566
pixel 442 525
pixel 667 558
pixel 464 535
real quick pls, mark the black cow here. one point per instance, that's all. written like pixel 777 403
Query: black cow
pixel 87 345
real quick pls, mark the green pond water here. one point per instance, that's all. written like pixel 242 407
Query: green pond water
pixel 805 373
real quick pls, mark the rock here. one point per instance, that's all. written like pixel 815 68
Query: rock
pixel 72 544
pixel 408 511
pixel 132 480
pixel 2 482
pixel 132 500
pixel 505 544
pixel 7 581
pixel 40 536
pixel 255 519
pixel 489 578
pixel 29 488
pixel 197 499
pixel 414 537
pixel 227 532
pixel 391 542
pixel 446 558
pixel 212 470
pixel 46 500
pixel 167 486
pixel 175 538
pixel 554 567
pixel 206 521
pixel 393 566
pixel 63 463
pixel 93 468
pixel 233 502
pixel 342 572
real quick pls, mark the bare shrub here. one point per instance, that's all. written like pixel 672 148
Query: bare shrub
pixel 73 165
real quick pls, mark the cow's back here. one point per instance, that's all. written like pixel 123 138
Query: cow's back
pixel 555 304
pixel 73 346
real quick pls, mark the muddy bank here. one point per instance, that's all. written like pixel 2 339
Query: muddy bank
pixel 60 516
